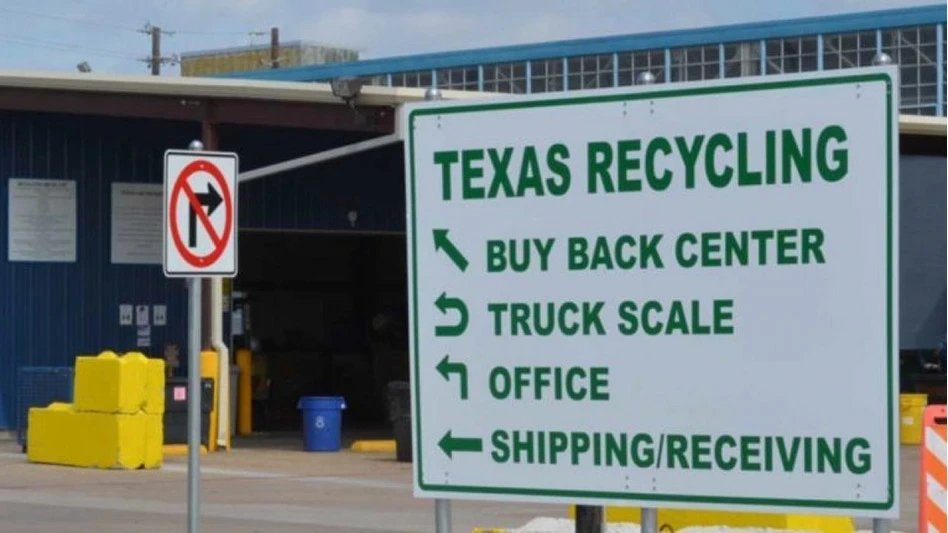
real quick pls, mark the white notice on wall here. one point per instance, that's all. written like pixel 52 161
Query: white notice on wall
pixel 125 314
pixel 144 337
pixel 158 315
pixel 141 315
pixel 136 223
pixel 42 220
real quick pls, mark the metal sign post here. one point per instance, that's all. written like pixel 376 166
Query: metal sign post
pixel 200 240
pixel 649 520
pixel 194 395
pixel 443 516
pixel 194 403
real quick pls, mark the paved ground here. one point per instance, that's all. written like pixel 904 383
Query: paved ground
pixel 277 489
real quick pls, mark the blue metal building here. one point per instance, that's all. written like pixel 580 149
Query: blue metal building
pixel 97 131
pixel 914 37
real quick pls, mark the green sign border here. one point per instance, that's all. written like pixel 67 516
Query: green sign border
pixel 757 85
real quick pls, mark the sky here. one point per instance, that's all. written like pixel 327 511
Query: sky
pixel 59 34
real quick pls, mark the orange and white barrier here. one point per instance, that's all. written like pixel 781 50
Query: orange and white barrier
pixel 932 513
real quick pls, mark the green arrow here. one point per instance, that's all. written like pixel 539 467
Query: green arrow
pixel 446 368
pixel 449 444
pixel 443 303
pixel 441 242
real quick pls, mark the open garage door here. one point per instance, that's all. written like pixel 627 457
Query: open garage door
pixel 326 316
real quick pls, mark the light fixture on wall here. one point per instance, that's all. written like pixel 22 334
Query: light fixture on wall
pixel 347 88
pixel 432 93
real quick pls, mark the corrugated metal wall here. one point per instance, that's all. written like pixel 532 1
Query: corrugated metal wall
pixel 51 312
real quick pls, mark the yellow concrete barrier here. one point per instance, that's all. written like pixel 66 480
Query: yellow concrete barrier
pixel 108 383
pixel 116 421
pixel 179 449
pixel 154 386
pixel 154 439
pixel 59 434
pixel 678 519
pixel 373 446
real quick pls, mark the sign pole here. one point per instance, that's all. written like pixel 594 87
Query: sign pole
pixel 590 519
pixel 200 242
pixel 194 403
pixel 443 516
pixel 881 525
pixel 649 520
pixel 194 394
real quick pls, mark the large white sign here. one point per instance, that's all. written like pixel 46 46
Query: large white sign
pixel 200 214
pixel 42 220
pixel 136 223
pixel 676 296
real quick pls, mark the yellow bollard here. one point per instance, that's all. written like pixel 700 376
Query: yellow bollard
pixel 911 408
pixel 244 392
pixel 210 369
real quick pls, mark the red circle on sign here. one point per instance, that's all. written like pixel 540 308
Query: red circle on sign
pixel 200 261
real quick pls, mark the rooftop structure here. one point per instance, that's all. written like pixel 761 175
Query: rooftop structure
pixel 914 37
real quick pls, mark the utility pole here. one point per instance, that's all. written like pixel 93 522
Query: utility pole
pixel 274 47
pixel 155 60
pixel 155 51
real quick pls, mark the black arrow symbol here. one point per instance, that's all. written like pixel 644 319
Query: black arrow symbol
pixel 210 199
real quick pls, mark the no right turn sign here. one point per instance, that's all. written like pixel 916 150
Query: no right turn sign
pixel 200 214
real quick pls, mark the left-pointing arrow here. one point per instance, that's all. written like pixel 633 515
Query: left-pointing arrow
pixel 450 444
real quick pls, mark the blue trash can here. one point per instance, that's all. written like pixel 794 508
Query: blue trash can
pixel 322 422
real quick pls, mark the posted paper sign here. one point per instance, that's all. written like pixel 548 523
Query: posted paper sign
pixel 141 315
pixel 159 315
pixel 659 296
pixel 136 223
pixel 42 220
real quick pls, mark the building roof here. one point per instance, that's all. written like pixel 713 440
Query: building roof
pixel 922 125
pixel 277 91
pixel 263 46
pixel 211 88
pixel 871 20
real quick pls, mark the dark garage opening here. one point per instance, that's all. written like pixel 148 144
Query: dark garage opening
pixel 326 313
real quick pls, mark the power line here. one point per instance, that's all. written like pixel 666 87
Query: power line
pixel 67 19
pixel 250 33
pixel 56 45
pixel 124 28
